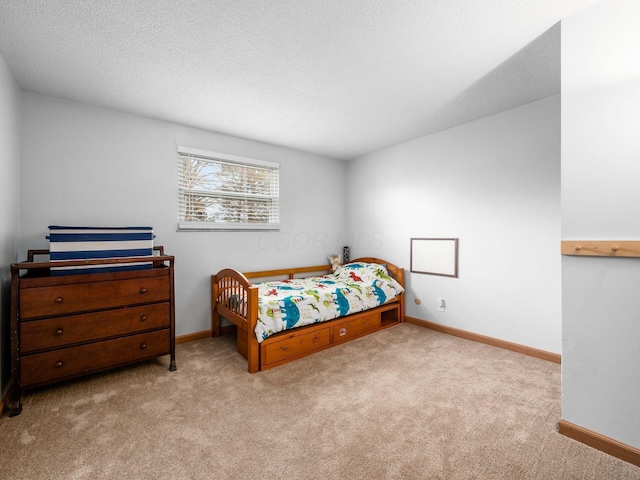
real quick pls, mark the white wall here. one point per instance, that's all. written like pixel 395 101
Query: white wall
pixel 9 205
pixel 601 200
pixel 84 165
pixel 494 184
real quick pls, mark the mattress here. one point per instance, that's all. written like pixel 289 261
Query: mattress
pixel 353 288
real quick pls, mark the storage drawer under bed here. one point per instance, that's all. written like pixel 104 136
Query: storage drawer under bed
pixel 292 345
pixel 355 327
pixel 296 343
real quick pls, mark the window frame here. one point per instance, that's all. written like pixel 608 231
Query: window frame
pixel 225 226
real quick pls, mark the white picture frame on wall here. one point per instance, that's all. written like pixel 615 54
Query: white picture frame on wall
pixel 435 256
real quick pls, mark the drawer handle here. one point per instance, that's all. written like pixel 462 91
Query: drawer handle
pixel 143 318
pixel 343 332
pixel 59 364
pixel 143 346
pixel 59 331
pixel 59 300
pixel 143 290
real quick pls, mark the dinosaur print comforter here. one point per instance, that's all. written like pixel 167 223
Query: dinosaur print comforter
pixel 354 287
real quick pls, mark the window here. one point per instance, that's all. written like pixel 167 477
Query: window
pixel 217 191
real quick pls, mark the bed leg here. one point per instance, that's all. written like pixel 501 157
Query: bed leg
pixel 215 324
pixel 253 353
pixel 253 347
pixel 215 317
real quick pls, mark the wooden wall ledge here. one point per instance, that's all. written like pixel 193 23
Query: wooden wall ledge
pixel 601 248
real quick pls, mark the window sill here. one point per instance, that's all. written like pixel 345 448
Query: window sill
pixel 226 227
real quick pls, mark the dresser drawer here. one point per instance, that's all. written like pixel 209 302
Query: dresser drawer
pixel 353 328
pixel 60 331
pixel 41 368
pixel 291 346
pixel 83 297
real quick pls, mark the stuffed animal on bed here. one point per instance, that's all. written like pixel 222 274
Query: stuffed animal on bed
pixel 334 260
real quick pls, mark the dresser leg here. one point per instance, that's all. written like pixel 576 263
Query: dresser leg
pixel 172 366
pixel 16 408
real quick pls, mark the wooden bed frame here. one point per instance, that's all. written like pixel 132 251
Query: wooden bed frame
pixel 299 342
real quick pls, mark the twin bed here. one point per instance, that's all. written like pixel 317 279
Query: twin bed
pixel 295 312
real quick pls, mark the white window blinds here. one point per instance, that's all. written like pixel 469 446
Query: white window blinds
pixel 217 191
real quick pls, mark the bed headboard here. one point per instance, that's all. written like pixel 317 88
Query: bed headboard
pixel 396 272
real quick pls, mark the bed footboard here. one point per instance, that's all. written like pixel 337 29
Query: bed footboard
pixel 236 299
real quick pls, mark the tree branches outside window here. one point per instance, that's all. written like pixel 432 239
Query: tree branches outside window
pixel 217 193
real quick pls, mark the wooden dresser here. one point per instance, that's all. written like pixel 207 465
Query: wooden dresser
pixel 66 326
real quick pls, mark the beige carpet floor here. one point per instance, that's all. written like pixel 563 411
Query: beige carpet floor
pixel 406 403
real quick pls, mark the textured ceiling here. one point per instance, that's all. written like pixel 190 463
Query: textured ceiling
pixel 339 78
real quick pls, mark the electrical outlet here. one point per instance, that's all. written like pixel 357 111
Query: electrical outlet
pixel 441 305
